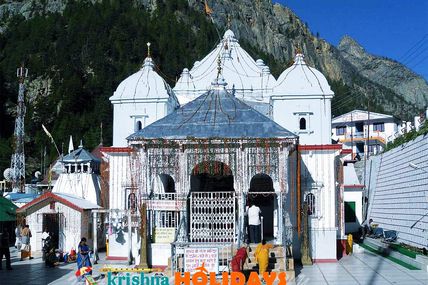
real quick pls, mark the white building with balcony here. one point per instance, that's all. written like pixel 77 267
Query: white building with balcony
pixel 361 132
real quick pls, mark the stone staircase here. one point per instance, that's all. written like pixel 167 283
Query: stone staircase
pixel 278 261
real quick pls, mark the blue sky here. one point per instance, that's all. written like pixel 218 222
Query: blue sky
pixel 397 29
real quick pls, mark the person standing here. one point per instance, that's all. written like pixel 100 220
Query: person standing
pixel 4 249
pixel 254 223
pixel 262 256
pixel 26 247
pixel 18 240
pixel 45 236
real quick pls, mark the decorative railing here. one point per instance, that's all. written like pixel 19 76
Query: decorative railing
pixel 212 217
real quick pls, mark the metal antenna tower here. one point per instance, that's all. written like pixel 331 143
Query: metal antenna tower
pixel 18 158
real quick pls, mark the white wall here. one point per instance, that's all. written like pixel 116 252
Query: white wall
pixel 318 176
pixel 83 185
pixel 287 111
pixel 119 167
pixel 398 193
pixel 124 122
pixel 70 230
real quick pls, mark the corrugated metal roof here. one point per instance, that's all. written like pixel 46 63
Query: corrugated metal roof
pixel 215 114
pixel 74 202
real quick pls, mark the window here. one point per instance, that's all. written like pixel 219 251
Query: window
pixel 350 212
pixel 340 130
pixel 359 127
pixel 302 124
pixel 310 200
pixel 379 127
pixel 138 126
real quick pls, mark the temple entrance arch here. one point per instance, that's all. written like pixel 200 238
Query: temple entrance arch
pixel 211 176
pixel 212 203
pixel 262 194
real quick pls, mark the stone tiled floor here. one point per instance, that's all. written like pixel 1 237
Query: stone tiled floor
pixel 361 268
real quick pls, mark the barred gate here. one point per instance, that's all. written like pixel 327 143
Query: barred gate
pixel 212 217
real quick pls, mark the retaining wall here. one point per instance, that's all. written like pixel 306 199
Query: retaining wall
pixel 398 193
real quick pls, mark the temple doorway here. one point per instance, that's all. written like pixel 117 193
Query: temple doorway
pixel 51 225
pixel 262 194
pixel 212 203
pixel 211 176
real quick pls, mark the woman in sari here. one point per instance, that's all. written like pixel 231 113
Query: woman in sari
pixel 83 259
pixel 262 256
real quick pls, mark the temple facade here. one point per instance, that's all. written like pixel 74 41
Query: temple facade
pixel 240 135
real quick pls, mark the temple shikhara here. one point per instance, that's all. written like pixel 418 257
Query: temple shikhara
pixel 186 162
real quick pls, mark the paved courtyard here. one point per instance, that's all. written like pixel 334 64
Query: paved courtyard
pixel 360 268
pixel 363 268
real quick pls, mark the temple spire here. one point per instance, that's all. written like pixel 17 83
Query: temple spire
pixel 148 49
pixel 70 145
pixel 229 21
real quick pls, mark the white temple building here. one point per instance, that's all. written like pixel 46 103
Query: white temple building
pixel 174 155
pixel 66 210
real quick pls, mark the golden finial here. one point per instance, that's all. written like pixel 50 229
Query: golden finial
pixel 229 21
pixel 298 49
pixel 148 49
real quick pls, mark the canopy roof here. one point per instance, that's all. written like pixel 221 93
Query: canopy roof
pixel 74 202
pixel 7 210
pixel 80 155
pixel 215 114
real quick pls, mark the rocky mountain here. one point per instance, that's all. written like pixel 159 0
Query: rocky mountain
pixel 354 74
pixel 278 32
pixel 386 72
pixel 79 50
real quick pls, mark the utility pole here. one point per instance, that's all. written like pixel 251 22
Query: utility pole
pixel 352 138
pixel 368 126
pixel 366 156
pixel 17 164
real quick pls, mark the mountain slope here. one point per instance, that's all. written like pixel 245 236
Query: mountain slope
pixel 79 51
pixel 277 31
pixel 386 72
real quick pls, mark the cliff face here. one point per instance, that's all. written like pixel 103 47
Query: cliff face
pixel 278 32
pixel 386 72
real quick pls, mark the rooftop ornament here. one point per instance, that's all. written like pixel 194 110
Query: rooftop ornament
pixel 148 49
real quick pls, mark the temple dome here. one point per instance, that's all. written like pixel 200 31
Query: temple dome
pixel 246 78
pixel 301 79
pixel 229 35
pixel 142 85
